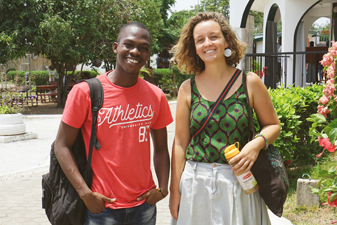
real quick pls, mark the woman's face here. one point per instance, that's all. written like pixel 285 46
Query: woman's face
pixel 209 41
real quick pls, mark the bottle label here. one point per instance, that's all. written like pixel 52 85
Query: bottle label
pixel 247 180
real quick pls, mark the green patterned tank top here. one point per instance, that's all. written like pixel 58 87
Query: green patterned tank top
pixel 228 125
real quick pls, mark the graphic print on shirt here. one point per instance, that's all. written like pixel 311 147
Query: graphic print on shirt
pixel 128 116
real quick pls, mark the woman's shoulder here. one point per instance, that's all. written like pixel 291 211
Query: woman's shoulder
pixel 253 80
pixel 186 85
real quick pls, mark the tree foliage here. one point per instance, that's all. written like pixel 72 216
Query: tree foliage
pixel 220 6
pixel 71 32
pixel 19 22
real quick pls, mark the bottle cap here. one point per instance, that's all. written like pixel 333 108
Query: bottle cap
pixel 232 150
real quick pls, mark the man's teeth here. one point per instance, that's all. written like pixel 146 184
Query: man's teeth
pixel 133 61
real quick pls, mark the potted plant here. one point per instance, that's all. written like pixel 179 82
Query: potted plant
pixel 11 120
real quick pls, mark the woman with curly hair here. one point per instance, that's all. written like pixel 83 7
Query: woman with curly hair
pixel 204 188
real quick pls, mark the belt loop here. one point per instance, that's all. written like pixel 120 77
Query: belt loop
pixel 214 181
pixel 195 166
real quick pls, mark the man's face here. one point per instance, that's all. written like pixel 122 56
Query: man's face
pixel 133 49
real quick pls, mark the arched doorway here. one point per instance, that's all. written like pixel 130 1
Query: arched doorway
pixel 273 44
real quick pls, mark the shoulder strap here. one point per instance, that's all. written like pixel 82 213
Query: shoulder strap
pixel 249 109
pixel 217 103
pixel 96 97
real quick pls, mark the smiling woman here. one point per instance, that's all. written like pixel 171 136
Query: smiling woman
pixel 216 95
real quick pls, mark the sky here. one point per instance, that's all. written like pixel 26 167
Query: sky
pixel 184 4
pixel 322 20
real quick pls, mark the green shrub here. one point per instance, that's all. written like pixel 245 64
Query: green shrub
pixel 164 78
pixel 37 77
pixel 293 106
pixel 180 77
pixel 42 77
pixel 85 75
pixel 10 69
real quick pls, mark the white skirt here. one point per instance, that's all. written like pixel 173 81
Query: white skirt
pixel 211 194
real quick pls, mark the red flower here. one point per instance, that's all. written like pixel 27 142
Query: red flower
pixel 324 142
pixel 332 203
pixel 288 162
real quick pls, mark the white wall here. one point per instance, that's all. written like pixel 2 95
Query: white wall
pixel 290 11
pixel 259 47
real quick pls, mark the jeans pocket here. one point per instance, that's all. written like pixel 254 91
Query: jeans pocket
pixel 98 214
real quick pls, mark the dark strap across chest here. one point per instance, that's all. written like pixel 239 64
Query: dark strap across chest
pixel 218 101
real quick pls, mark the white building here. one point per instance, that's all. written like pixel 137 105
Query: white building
pixel 297 17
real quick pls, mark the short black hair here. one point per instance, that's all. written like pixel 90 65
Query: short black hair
pixel 134 24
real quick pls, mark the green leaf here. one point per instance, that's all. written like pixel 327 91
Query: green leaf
pixel 319 168
pixel 318 117
pixel 323 173
pixel 319 183
pixel 332 197
pixel 328 190
pixel 327 129
pixel 332 170
pixel 333 135
pixel 333 124
pixel 314 190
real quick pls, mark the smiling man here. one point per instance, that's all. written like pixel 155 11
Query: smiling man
pixel 123 190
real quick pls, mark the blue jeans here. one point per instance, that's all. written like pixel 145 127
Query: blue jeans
pixel 140 215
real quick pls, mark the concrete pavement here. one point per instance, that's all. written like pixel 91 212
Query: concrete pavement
pixel 22 164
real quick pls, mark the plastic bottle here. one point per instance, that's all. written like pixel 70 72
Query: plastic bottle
pixel 246 179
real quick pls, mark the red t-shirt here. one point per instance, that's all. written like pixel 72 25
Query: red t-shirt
pixel 121 167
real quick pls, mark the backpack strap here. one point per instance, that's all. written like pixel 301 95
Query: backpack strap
pixel 96 97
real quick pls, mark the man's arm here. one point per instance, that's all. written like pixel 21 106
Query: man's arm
pixel 161 161
pixel 65 139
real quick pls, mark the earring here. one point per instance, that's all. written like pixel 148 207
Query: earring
pixel 227 53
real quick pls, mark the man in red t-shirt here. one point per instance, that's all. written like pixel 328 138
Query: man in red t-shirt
pixel 123 190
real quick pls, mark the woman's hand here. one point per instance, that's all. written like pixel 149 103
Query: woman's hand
pixel 174 204
pixel 248 155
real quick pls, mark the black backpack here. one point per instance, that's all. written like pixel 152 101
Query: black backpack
pixel 60 200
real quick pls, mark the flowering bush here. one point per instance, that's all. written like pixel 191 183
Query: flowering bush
pixel 324 126
pixel 8 105
pixel 12 101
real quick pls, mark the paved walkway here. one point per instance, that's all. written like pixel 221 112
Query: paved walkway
pixel 22 164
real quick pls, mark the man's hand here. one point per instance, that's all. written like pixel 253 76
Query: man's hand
pixel 95 202
pixel 152 197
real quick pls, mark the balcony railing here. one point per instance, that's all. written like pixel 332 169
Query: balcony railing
pixel 273 68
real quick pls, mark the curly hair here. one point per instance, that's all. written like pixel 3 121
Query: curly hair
pixel 184 51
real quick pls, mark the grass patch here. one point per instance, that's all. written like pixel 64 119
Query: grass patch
pixel 301 215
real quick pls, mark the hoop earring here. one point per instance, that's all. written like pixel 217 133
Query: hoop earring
pixel 227 53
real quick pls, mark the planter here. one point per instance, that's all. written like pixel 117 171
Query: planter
pixel 11 124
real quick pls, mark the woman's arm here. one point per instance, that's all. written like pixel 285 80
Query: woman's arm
pixel 181 141
pixel 270 126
